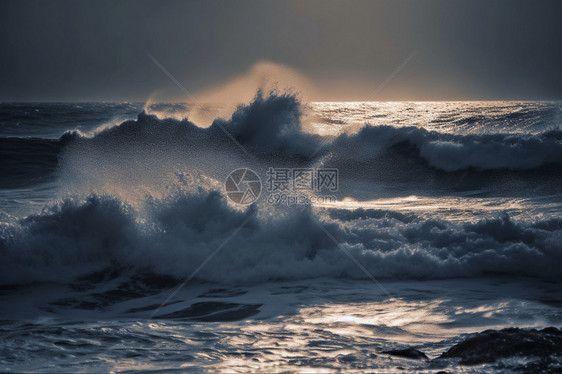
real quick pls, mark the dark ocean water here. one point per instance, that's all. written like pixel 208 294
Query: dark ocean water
pixel 121 251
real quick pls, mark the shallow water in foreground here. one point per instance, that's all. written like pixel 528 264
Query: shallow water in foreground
pixel 313 325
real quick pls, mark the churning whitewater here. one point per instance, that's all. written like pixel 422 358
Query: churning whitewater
pixel 146 196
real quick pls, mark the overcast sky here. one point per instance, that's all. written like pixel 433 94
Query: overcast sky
pixel 78 50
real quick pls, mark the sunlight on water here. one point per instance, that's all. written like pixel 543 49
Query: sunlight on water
pixel 326 337
pixel 456 208
pixel 463 117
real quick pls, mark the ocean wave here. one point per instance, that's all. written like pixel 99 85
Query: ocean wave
pixel 271 124
pixel 174 235
pixel 449 152
pixel 270 128
pixel 268 125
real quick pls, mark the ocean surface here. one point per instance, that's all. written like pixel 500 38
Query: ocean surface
pixel 123 250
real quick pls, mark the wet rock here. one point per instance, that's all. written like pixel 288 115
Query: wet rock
pixel 490 345
pixel 411 353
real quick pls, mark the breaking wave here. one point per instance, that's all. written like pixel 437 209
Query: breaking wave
pixel 173 236
pixel 270 128
pixel 449 152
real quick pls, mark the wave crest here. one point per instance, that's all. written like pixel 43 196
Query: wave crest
pixel 450 152
pixel 173 236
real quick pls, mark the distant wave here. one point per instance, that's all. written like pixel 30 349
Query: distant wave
pixel 174 235
pixel 450 152
pixel 271 125
pixel 270 128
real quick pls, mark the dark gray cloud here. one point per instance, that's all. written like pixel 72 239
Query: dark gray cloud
pixel 69 50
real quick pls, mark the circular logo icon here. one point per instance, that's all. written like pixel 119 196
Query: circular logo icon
pixel 243 186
